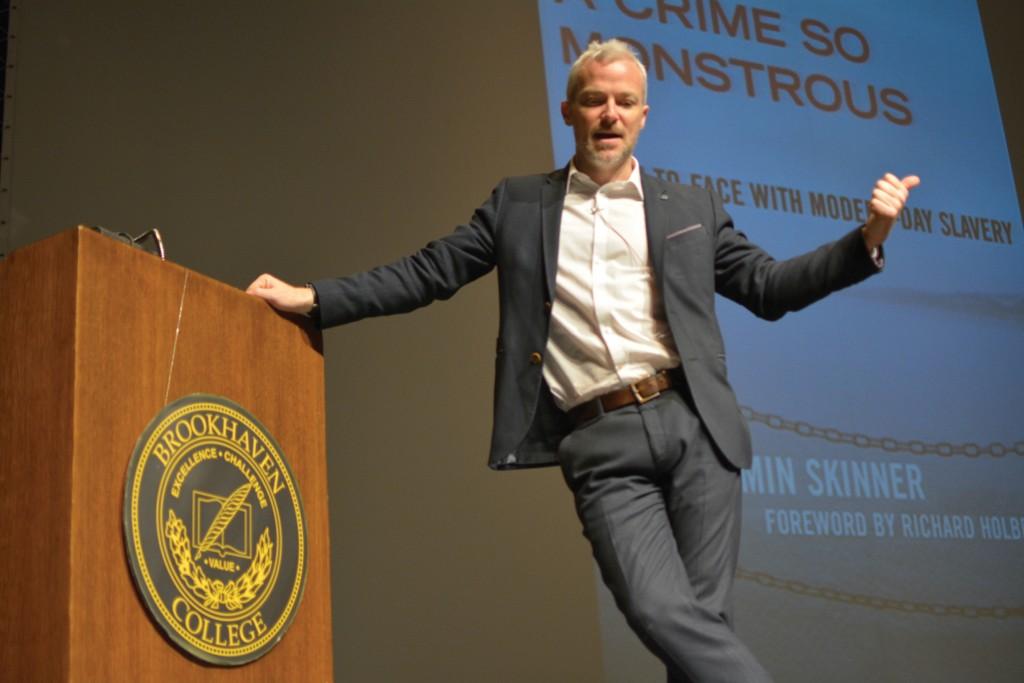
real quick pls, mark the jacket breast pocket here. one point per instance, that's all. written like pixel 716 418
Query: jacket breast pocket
pixel 688 263
pixel 675 234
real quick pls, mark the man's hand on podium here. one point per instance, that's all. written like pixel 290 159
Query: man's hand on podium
pixel 281 295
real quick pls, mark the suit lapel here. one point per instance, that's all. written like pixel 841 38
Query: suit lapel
pixel 657 216
pixel 551 200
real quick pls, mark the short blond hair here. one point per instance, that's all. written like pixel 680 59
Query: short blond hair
pixel 612 50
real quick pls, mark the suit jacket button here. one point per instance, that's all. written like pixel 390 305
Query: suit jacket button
pixel 536 358
pixel 547 305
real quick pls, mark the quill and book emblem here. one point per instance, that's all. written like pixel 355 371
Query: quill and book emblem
pixel 213 539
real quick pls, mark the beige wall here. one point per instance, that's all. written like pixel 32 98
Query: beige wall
pixel 317 138
pixel 313 139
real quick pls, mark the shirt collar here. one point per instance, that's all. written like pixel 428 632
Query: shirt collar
pixel 633 179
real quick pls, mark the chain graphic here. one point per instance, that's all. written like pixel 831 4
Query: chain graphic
pixel 880 603
pixel 884 443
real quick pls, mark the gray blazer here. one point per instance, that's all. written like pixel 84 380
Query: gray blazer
pixel 695 252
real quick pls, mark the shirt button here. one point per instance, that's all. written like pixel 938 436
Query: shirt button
pixel 536 358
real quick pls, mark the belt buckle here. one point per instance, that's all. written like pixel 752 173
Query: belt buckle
pixel 640 398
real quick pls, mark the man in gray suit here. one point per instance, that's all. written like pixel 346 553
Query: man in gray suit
pixel 610 359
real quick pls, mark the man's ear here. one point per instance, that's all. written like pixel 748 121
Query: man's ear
pixel 565 113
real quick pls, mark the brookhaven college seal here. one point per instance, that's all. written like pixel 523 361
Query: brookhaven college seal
pixel 214 530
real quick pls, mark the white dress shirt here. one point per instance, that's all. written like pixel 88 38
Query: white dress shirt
pixel 608 325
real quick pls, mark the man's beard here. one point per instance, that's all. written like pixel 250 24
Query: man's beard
pixel 605 159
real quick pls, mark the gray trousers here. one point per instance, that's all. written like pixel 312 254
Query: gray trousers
pixel 661 510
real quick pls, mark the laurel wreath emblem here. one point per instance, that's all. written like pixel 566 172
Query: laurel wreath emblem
pixel 233 595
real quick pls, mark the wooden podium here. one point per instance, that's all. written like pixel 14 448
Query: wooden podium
pixel 95 338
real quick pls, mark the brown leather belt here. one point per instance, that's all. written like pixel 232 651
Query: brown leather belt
pixel 638 392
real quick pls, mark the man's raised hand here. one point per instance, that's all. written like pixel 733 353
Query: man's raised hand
pixel 887 200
